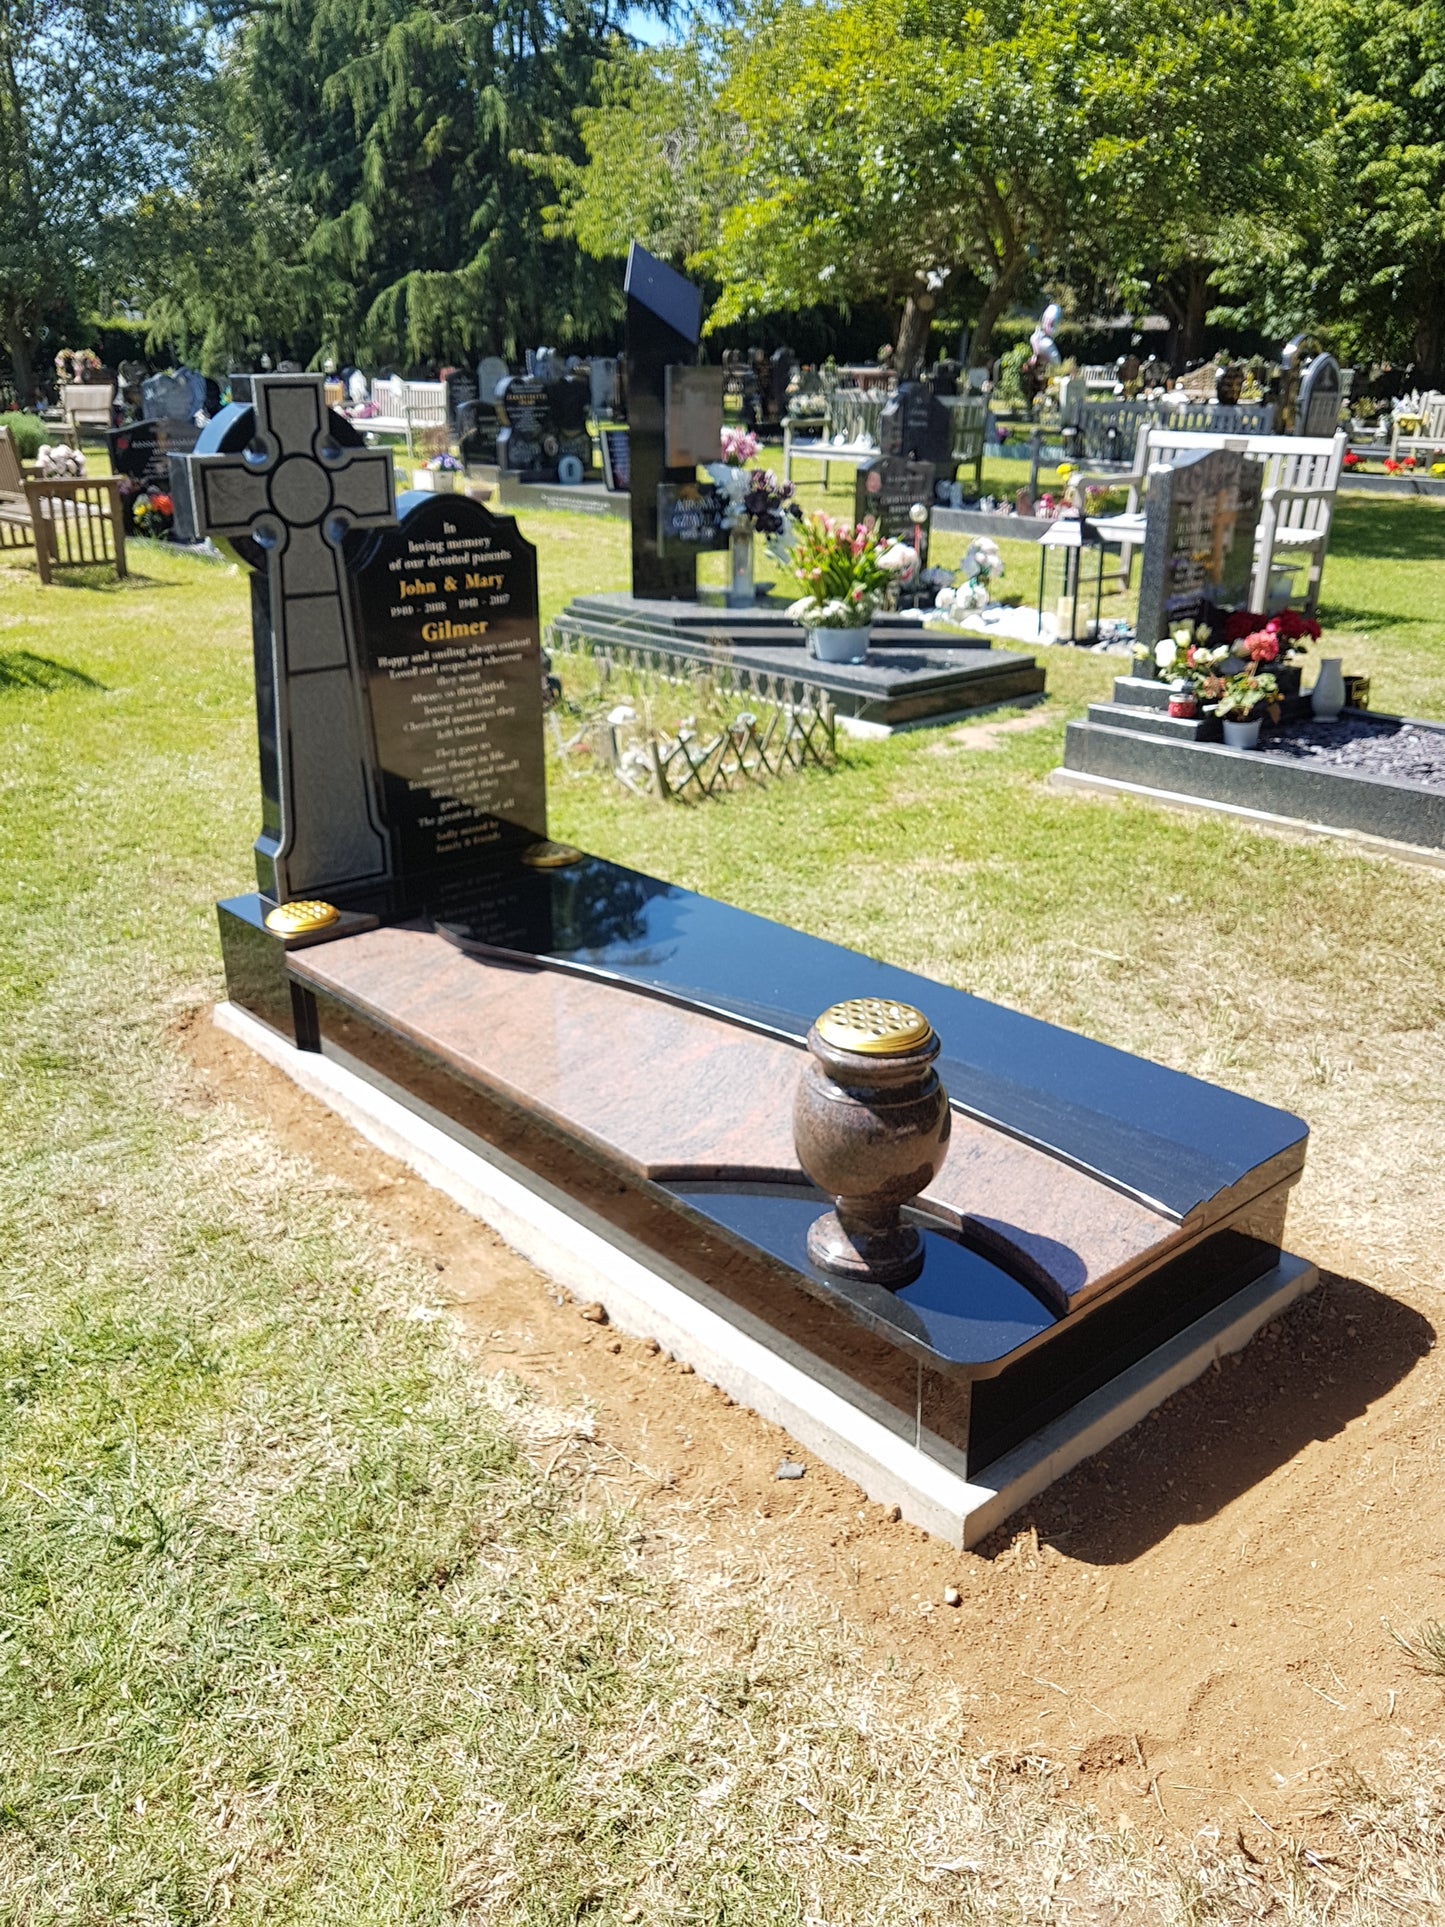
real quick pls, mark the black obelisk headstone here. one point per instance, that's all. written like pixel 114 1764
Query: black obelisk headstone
pixel 664 324
pixel 283 479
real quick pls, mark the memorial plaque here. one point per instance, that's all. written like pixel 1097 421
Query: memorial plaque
pixel 450 650
pixel 1199 525
pixel 689 518
pixel 692 416
pixel 142 451
pixel 477 432
pixel 461 388
pixel 616 459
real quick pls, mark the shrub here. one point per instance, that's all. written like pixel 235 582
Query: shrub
pixel 28 432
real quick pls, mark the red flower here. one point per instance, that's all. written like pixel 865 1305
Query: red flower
pixel 1352 460
pixel 1242 623
pixel 1262 646
pixel 164 504
pixel 1392 467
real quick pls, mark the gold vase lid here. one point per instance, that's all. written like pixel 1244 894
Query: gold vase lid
pixel 876 1026
pixel 295 919
pixel 550 856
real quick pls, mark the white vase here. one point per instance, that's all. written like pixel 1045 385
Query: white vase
pixel 1327 698
pixel 741 591
pixel 1242 735
pixel 840 645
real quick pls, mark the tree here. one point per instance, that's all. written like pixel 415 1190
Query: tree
pixel 94 103
pixel 660 154
pixel 405 126
pixel 1377 244
pixel 903 149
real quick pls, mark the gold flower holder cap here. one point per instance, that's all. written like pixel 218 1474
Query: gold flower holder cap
pixel 297 919
pixel 876 1026
pixel 550 856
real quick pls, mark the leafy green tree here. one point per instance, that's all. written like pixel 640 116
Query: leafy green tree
pixel 405 126
pixel 94 103
pixel 909 150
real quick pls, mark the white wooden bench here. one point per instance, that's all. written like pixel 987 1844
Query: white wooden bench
pixel 850 433
pixel 1301 479
pixel 87 404
pixel 403 407
pixel 1429 438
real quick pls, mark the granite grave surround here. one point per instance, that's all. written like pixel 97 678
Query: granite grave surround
pixel 605 1065
pixel 674 426
pixel 912 675
pixel 1133 746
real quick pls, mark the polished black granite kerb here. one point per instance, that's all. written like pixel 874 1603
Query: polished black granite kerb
pixel 1124 748
pixel 1181 1146
pixel 911 674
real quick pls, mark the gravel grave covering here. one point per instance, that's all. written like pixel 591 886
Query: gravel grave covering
pixel 1404 751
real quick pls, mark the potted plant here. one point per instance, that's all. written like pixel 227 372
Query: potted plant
pixel 845 571
pixel 1239 702
pixel 1277 643
pixel 441 474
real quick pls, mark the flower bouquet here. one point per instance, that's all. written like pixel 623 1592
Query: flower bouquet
pixel 154 514
pixel 439 474
pixel 76 364
pixel 845 572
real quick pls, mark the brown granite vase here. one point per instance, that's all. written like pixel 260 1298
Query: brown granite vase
pixel 871 1128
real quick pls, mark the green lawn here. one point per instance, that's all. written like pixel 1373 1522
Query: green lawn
pixel 292 1628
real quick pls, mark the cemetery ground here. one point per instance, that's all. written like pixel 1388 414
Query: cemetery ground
pixel 350 1573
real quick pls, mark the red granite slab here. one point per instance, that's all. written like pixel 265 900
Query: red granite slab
pixel 671 1094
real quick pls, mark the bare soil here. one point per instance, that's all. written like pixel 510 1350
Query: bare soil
pixel 1193 1629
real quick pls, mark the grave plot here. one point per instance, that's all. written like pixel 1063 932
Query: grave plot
pixel 951 1248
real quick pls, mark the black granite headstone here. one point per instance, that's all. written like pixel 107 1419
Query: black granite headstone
pixel 664 323
pixel 477 432
pixel 915 424
pixel 887 489
pixel 1199 525
pixel 450 647
pixel 283 479
pixel 461 388
pixel 616 459
pixel 528 446
pixel 141 453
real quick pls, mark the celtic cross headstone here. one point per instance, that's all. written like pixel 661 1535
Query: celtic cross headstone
pixel 283 481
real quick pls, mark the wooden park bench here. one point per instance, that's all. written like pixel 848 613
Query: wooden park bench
pixel 1427 438
pixel 849 437
pixel 87 405
pixel 404 407
pixel 1301 479
pixel 72 521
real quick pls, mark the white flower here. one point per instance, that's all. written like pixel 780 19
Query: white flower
pixel 898 559
pixel 1164 652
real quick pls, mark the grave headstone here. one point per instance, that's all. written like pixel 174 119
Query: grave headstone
pixel 1200 516
pixel 450 649
pixel 616 459
pixel 887 489
pixel 568 401
pixel 602 377
pixel 461 389
pixel 528 446
pixel 284 480
pixel 477 431
pixel 491 370
pixel 1317 408
pixel 664 321
pixel 916 425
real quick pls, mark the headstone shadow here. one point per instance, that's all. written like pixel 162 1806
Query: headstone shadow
pixel 1306 1377
pixel 23 669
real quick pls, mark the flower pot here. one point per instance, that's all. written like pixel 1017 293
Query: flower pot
pixel 840 645
pixel 1242 735
pixel 1327 698
pixel 741 588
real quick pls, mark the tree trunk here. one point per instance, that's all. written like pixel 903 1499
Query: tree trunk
pixel 913 331
pixel 1195 307
pixel 1429 345
pixel 21 363
pixel 994 303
